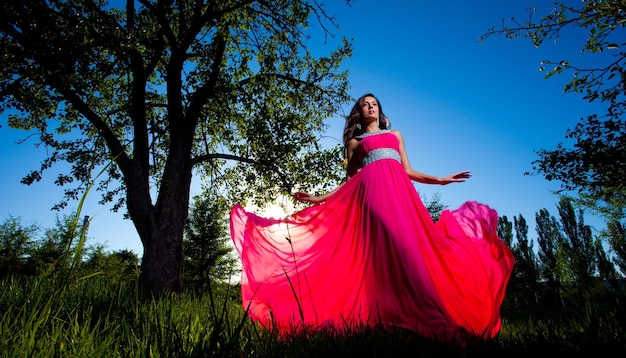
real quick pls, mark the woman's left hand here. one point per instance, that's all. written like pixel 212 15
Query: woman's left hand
pixel 458 177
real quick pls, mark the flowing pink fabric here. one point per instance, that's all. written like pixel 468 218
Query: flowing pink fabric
pixel 371 255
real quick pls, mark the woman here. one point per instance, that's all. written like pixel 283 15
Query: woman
pixel 369 254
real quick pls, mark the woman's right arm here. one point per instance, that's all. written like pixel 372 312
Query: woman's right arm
pixel 352 168
pixel 353 162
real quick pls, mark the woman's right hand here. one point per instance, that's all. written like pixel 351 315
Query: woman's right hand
pixel 307 198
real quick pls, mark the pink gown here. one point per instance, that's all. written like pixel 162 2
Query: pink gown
pixel 371 254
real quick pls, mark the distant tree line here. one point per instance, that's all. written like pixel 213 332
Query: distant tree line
pixel 569 266
pixel 30 250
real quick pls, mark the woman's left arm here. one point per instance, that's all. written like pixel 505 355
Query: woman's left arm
pixel 458 177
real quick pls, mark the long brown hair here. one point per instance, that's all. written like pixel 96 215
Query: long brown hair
pixel 354 125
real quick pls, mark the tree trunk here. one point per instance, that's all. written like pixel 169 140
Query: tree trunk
pixel 161 229
pixel 161 265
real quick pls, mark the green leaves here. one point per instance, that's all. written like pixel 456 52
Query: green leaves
pixel 594 160
pixel 110 81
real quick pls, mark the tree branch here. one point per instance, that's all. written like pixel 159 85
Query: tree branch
pixel 208 157
pixel 162 20
pixel 203 93
pixel 245 81
pixel 115 146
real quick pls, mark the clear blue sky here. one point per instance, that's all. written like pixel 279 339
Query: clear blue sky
pixel 460 105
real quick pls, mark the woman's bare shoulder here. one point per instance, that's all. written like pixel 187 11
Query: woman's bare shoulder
pixel 396 132
pixel 352 143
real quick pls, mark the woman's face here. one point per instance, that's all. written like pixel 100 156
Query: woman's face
pixel 369 109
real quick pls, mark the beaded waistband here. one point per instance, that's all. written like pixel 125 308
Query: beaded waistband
pixel 381 153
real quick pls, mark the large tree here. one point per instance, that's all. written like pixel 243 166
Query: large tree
pixel 595 164
pixel 169 88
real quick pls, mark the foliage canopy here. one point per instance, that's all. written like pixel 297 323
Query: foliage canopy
pixel 595 164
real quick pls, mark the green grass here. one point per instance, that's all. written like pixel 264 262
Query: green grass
pixel 54 317
pixel 89 318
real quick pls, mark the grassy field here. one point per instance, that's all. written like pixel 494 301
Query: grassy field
pixel 91 317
